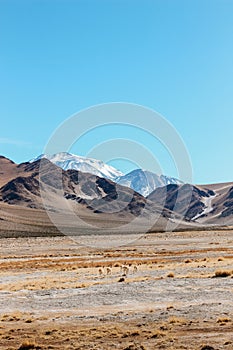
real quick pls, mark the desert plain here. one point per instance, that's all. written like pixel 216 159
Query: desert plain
pixel 55 292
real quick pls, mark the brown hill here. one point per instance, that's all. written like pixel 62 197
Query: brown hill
pixel 42 184
pixel 204 204
pixel 32 187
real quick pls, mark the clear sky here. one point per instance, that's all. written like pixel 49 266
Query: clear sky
pixel 176 57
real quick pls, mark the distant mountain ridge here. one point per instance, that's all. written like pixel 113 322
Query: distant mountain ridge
pixel 204 204
pixel 68 161
pixel 191 199
pixel 197 204
pixel 83 191
pixel 141 181
pixel 145 182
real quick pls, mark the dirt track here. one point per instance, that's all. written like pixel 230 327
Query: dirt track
pixel 52 296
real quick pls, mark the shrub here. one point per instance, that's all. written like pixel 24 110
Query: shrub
pixel 187 261
pixel 28 345
pixel 222 273
pixel 170 275
pixel 223 320
pixel 121 279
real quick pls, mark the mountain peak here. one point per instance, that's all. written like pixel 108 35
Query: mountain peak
pixel 145 182
pixel 140 180
pixel 6 160
pixel 93 166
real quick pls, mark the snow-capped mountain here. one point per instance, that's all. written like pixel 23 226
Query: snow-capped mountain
pixel 145 182
pixel 210 204
pixel 86 165
pixel 141 181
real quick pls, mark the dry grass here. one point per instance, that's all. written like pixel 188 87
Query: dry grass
pixel 188 261
pixel 220 259
pixel 223 320
pixel 222 273
pixel 177 320
pixel 207 347
pixel 140 326
pixel 111 335
pixel 12 317
pixel 29 344
pixel 169 307
pixel 171 275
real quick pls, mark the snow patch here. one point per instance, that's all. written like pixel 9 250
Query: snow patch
pixel 207 201
pixel 96 167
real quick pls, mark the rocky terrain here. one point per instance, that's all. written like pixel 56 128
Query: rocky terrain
pixel 205 204
pixel 53 296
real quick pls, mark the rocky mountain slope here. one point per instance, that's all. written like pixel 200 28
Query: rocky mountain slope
pixel 99 195
pixel 141 181
pixel 145 182
pixel 68 161
pixel 22 185
pixel 204 204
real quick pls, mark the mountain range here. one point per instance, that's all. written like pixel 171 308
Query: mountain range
pixel 68 161
pixel 141 181
pixel 101 200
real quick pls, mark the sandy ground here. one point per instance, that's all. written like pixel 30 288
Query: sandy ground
pixel 53 297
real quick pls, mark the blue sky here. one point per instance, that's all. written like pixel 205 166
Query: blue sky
pixel 60 56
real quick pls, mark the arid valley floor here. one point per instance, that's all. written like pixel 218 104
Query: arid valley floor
pixel 181 297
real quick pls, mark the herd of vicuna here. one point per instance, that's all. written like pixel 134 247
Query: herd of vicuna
pixel 124 270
